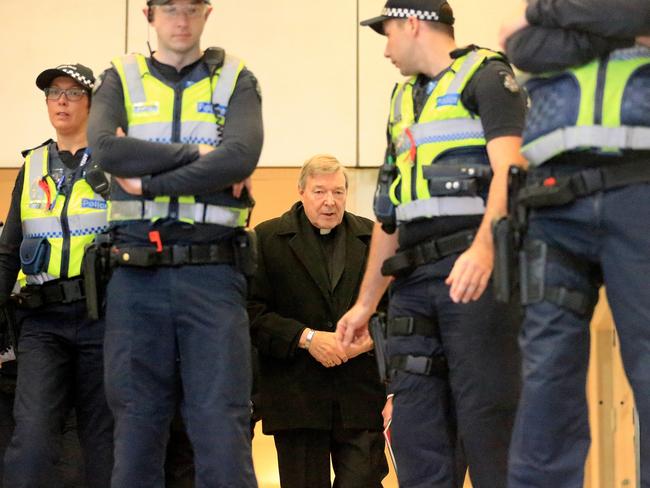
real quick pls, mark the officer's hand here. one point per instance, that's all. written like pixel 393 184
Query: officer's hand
pixel 133 186
pixel 643 40
pixel 387 412
pixel 353 326
pixel 119 132
pixel 471 272
pixel 205 149
pixel 356 348
pixel 514 23
pixel 237 188
pixel 326 349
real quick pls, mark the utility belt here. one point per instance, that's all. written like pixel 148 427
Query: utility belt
pixel 430 251
pixel 103 255
pixel 50 293
pixel 553 191
pixel 521 264
pixel 382 329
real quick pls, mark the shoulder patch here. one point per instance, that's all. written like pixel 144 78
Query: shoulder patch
pixel 509 82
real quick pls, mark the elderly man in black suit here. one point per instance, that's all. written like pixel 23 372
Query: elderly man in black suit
pixel 316 398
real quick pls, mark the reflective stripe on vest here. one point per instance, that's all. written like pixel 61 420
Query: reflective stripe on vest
pixel 598 106
pixel 444 125
pixel 440 207
pixel 85 216
pixel 194 212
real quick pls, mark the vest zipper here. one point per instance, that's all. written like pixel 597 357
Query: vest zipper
pixel 65 227
pixel 600 90
pixel 176 137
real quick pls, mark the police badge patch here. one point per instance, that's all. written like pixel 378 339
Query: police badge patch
pixel 509 82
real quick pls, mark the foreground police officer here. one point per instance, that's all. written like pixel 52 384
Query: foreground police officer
pixel 587 139
pixel 452 348
pixel 54 214
pixel 176 312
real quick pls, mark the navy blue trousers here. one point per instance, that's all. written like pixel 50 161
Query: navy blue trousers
pixel 480 392
pixel 551 437
pixel 60 366
pixel 184 326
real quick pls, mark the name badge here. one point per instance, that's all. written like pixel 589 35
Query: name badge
pixel 146 108
pixel 445 100
pixel 204 108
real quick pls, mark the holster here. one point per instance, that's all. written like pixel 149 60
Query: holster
pixel 507 233
pixel 96 268
pixel 245 252
pixel 8 327
pixel 377 329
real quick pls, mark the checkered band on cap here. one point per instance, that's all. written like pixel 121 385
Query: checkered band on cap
pixel 72 72
pixel 403 13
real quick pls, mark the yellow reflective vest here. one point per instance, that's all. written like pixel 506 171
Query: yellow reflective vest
pixel 61 225
pixel 602 106
pixel 193 114
pixel 443 126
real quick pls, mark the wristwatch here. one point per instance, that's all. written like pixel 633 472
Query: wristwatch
pixel 309 337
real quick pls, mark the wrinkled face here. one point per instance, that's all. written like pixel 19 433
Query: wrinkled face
pixel 399 45
pixel 66 116
pixel 179 25
pixel 324 199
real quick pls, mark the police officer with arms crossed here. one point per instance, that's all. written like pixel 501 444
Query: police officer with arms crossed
pixel 587 140
pixel 176 311
pixel 452 348
pixel 54 214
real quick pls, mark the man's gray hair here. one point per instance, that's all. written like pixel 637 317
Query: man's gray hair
pixel 320 164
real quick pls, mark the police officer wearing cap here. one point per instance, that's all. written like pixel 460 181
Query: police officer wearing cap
pixel 587 140
pixel 453 131
pixel 180 132
pixel 54 214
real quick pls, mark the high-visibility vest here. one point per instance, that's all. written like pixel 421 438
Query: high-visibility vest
pixel 603 106
pixel 193 114
pixel 65 224
pixel 444 126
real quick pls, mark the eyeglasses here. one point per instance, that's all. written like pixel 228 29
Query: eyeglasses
pixel 72 94
pixel 192 11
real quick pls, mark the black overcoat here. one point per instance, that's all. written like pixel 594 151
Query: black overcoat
pixel 291 291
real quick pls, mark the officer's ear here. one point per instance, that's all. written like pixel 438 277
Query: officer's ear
pixel 148 13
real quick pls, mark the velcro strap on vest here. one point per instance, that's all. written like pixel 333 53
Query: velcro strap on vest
pixel 427 252
pixel 407 326
pixel 176 255
pixel 440 206
pixel 60 291
pixel 197 212
pixel 563 190
pixel 424 365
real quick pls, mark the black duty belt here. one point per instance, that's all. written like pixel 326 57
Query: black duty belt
pixel 59 291
pixel 561 190
pixel 406 326
pixel 427 252
pixel 424 365
pixel 174 255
